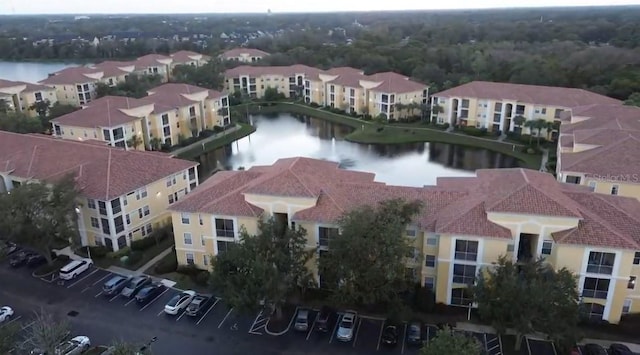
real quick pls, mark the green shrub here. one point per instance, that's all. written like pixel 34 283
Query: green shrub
pixel 134 257
pixel 446 125
pixel 202 278
pixel 98 251
pixel 167 265
pixel 190 270
pixel 217 129
pixel 144 243
pixel 472 131
pixel 63 258
pixel 424 300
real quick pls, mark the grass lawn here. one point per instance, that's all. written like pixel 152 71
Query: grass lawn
pixel 56 265
pixel 197 149
pixel 183 282
pixel 372 133
pixel 106 261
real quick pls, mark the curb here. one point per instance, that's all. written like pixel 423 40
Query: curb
pixel 33 274
pixel 266 326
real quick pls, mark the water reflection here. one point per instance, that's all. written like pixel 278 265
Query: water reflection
pixel 284 135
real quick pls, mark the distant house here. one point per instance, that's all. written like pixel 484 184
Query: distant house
pixel 19 96
pixel 245 55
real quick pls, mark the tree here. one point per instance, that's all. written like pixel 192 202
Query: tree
pixel 549 127
pixel 209 75
pixel 38 215
pixel 264 267
pixel 58 109
pixel 121 347
pixel 18 122
pixel 529 297
pixel 366 263
pixel 518 121
pixel 539 125
pixel 399 107
pixel 4 106
pixel 448 342
pixel 46 333
pixel 155 143
pixel 531 125
pixel 135 86
pixel 272 94
pixel 41 108
pixel 135 141
pixel 633 99
pixel 8 337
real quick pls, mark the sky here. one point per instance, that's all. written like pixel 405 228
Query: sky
pixel 19 7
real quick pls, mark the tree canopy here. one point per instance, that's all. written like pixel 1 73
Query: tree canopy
pixel 40 215
pixel 208 76
pixel 529 297
pixel 448 342
pixel 135 86
pixel 366 263
pixel 265 267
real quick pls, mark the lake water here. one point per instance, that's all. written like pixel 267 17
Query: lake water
pixel 286 135
pixel 29 71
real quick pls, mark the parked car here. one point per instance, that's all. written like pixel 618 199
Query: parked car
pixel 20 258
pixel 114 285
pixel 619 349
pixel 179 302
pixel 148 293
pixel 322 323
pixel 6 313
pixel 135 285
pixel 9 248
pixel 302 320
pixel 77 345
pixel 347 324
pixel 75 268
pixel 414 333
pixel 35 259
pixel 390 335
pixel 593 349
pixel 199 305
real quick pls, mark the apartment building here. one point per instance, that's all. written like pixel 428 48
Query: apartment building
pixel 245 55
pixel 19 96
pixel 169 112
pixel 466 224
pixel 188 58
pixel 124 194
pixel 494 106
pixel 345 88
pixel 154 64
pixel 599 147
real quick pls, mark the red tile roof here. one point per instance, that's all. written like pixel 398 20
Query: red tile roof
pixel 104 112
pixel 101 172
pixel 151 60
pixel 617 117
pixel 533 94
pixel 188 56
pixel 112 68
pixel 73 75
pixel 615 161
pixel 28 87
pixel 237 52
pixel 395 83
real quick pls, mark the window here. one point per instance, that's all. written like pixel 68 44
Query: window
pixel 38 96
pixel 592 186
pixel 600 263
pixel 594 311
pixel 464 274
pixel 141 193
pixel 224 228
pixel 510 248
pixel 429 283
pixel 171 200
pixel 105 226
pixel 557 113
pixel 595 288
pixel 200 220
pixel 224 246
pixel 543 111
pixel 466 250
pixel 461 297
pixel 189 257
pixel 626 306
pixel 115 206
pixel 119 223
pixel 202 240
pixel 614 189
pixel 432 241
pixel 102 207
pixel 128 219
pixel 149 228
pixel 430 260
pixel 185 218
pixel 205 260
pixel 632 283
pixel 146 210
pixel 572 179
pixel 165 119
pixel 95 223
pixel 91 203
pixel 325 234
pixel 547 246
pixel 636 258
pixel 169 182
pixel 192 111
pixel 411 233
pixel 187 239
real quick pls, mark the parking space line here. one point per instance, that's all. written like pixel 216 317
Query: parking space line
pixel 82 278
pixel 129 301
pixel 207 312
pixel 528 345
pixel 153 300
pixel 404 338
pixel 379 336
pixel 98 294
pixel 355 339
pixel 114 297
pixel 335 327
pixel 259 319
pixel 28 325
pixel 553 346
pixel 184 311
pixel 225 317
pixel 12 320
pixel 102 278
pixel 313 325
pixel 160 313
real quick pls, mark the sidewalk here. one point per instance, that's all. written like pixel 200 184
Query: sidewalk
pixel 204 141
pixel 154 261
pixel 68 252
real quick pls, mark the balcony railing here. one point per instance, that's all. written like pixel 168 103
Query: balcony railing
pixel 600 269
pixel 595 294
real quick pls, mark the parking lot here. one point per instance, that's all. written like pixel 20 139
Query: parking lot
pixel 220 322
pixel 538 346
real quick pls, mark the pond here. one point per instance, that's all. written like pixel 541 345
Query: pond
pixel 30 71
pixel 285 135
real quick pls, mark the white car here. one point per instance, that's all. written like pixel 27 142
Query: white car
pixel 77 345
pixel 5 314
pixel 347 324
pixel 74 268
pixel 179 302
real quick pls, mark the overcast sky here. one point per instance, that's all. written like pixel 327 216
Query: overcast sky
pixel 209 6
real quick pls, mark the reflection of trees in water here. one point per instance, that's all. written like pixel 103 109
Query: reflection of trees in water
pixel 466 158
pixel 392 150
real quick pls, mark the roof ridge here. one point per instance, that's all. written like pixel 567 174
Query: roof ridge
pixel 33 156
pixel 108 174
pixel 298 177
pixel 594 151
pixel 612 229
pixel 601 198
pixel 467 210
pixel 544 192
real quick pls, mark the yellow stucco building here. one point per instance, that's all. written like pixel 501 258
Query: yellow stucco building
pixel 124 194
pixel 169 112
pixel 19 96
pixel 466 224
pixel 244 55
pixel 494 106
pixel 599 147
pixel 346 88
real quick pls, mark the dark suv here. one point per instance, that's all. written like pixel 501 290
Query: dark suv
pixel 322 324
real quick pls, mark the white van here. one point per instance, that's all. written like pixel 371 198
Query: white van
pixel 75 268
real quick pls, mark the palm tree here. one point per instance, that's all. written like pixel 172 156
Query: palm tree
pixel 399 106
pixel 549 127
pixel 530 124
pixel 539 125
pixel 4 106
pixel 135 141
pixel 518 121
pixel 155 143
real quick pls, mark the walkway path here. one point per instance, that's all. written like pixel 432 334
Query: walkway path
pixel 545 158
pixel 155 260
pixel 204 141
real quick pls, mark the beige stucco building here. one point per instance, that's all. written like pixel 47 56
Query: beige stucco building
pixel 19 96
pixel 124 194
pixel 466 224
pixel 244 55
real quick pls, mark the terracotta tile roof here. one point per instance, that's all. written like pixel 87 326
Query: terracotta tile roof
pixel 618 117
pixel 104 112
pixel 257 70
pixel 28 87
pixel 566 141
pixel 617 160
pixel 188 56
pixel 113 68
pixel 101 172
pixel 237 52
pixel 534 94
pixel 468 216
pixel 9 84
pixel 72 76
pixel 170 96
pixel 152 60
pixel 395 83
pixel 36 87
